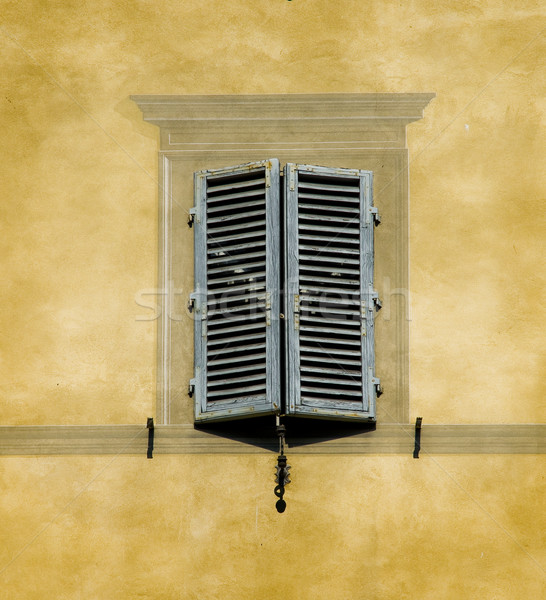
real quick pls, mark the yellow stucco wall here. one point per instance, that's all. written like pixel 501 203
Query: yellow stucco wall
pixel 78 218
pixel 194 527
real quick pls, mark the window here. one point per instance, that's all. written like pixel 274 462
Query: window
pixel 284 300
pixel 357 131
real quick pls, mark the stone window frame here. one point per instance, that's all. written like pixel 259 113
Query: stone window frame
pixel 363 131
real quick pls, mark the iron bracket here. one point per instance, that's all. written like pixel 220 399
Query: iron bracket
pixel 417 446
pixel 150 427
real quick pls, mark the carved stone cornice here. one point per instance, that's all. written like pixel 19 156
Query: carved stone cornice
pixel 282 121
pixel 162 110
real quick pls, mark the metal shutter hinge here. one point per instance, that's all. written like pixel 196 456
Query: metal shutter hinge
pixel 204 322
pixel 363 317
pixel 267 177
pixel 296 311
pixel 375 215
pixel 292 181
pixel 267 309
pixel 378 388
pixel 376 301
pixel 193 305
pixel 192 216
pixel 191 388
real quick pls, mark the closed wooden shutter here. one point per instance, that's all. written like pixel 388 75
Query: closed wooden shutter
pixel 237 291
pixel 329 299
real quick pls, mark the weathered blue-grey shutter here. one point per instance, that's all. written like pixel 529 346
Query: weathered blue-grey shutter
pixel 329 299
pixel 236 296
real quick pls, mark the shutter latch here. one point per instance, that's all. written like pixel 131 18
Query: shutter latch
pixel 375 215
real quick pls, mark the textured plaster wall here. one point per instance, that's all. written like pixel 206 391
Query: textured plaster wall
pixel 78 218
pixel 193 527
pixel 78 173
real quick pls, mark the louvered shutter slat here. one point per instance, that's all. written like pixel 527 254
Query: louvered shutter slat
pixel 237 290
pixel 330 299
pixel 250 224
pixel 232 311
pixel 330 208
pixel 316 288
pixel 321 238
pixel 241 361
pixel 343 231
pixel 341 321
pixel 234 246
pixel 238 195
pixel 314 257
pixel 336 313
pixel 236 216
pixel 257 182
pixel 336 331
pixel 212 210
pixel 237 265
pixel 226 240
pixel 329 274
pixel 348 190
pixel 326 341
pixel 235 257
pixel 333 268
pixel 235 299
pixel 238 344
pixel 347 352
pixel 331 199
pixel 257 285
pixel 237 379
pixel 230 395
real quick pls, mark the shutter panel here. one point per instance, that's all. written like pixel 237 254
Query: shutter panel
pixel 329 300
pixel 236 296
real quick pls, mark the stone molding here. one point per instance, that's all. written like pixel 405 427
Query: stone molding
pixel 165 110
pixel 67 440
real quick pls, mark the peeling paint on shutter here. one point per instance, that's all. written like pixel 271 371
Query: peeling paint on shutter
pixel 237 291
pixel 329 299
